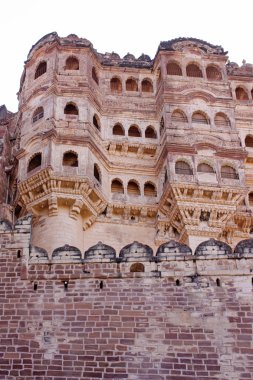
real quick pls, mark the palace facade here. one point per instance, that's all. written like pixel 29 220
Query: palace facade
pixel 122 179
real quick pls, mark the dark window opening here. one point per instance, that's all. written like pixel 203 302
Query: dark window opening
pixel 134 131
pixel 70 159
pixel 174 69
pixel 249 142
pixel 182 167
pixel 34 163
pixel 116 85
pixel 150 190
pixel 150 133
pixel 72 63
pixel 146 86
pixel 205 168
pixel 241 94
pixel 96 173
pixel 96 122
pixel 131 85
pixel 38 114
pixel 71 109
pixel 213 73
pixel 193 71
pixel 41 69
pixel 137 267
pixel 229 172
pixel 117 187
pixel 118 130
pixel 133 188
pixel 94 75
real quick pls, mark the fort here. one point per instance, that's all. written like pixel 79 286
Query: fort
pixel 126 203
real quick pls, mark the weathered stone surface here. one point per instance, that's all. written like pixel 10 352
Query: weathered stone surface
pixel 135 252
pixel 172 248
pixel 100 252
pixel 213 247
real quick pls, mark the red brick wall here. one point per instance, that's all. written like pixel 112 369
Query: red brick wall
pixel 136 327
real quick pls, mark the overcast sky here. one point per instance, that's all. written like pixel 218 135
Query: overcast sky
pixel 135 26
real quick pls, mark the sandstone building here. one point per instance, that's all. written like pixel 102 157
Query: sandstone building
pixel 126 215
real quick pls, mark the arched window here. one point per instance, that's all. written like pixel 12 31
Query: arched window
pixel 251 199
pixel 96 122
pixel 94 75
pixel 118 130
pixel 162 126
pixel 150 133
pixel 147 85
pixel 213 73
pixel 70 159
pixel 133 188
pixel 97 173
pixel 34 162
pixel 41 69
pixel 174 69
pixel 116 85
pixel 134 131
pixel 249 141
pixel 178 116
pixel 182 167
pixel 251 93
pixel 117 186
pixel 38 114
pixel 204 168
pixel 221 120
pixel 131 85
pixel 137 267
pixel 199 118
pixel 71 109
pixel 228 172
pixel 241 94
pixel 192 70
pixel 72 63
pixel 150 190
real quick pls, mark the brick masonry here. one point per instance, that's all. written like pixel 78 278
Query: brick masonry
pixel 188 317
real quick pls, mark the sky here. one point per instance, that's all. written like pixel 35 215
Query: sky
pixel 135 26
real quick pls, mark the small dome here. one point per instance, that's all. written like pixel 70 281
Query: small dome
pixel 244 248
pixel 212 247
pixel 136 251
pixel 115 55
pixel 38 254
pixel 172 248
pixel 129 57
pixel 72 36
pixel 67 252
pixel 144 57
pixel 100 252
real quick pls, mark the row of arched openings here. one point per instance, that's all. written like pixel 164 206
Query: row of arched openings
pixel 131 85
pixel 199 117
pixel 182 167
pixel 71 63
pixel 133 188
pixel 134 131
pixel 193 70
pixel 69 159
